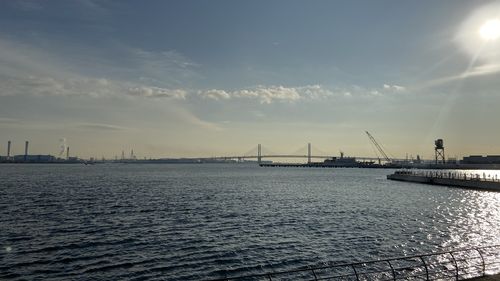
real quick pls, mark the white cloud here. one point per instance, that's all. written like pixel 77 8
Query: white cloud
pixel 315 92
pixel 155 92
pixel 215 94
pixel 395 88
pixel 355 93
pixel 270 94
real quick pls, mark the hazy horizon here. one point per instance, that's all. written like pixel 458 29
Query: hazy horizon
pixel 193 78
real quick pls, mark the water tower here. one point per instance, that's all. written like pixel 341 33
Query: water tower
pixel 439 151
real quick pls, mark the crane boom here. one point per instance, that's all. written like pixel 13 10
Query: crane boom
pixel 378 147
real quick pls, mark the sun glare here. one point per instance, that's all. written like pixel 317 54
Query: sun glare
pixel 479 34
pixel 490 30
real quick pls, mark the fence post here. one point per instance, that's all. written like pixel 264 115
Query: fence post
pixel 355 272
pixel 482 258
pixel 456 265
pixel 393 272
pixel 426 269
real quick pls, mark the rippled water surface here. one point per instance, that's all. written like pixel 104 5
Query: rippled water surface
pixel 191 222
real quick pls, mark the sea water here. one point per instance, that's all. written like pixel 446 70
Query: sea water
pixel 204 221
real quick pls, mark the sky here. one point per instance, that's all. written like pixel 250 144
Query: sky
pixel 210 78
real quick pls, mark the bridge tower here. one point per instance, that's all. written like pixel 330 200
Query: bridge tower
pixel 26 146
pixel 8 150
pixel 259 153
pixel 439 151
pixel 309 153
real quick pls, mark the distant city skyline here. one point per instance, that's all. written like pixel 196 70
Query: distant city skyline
pixel 193 78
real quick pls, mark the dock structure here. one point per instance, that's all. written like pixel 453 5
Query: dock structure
pixel 451 178
pixel 326 165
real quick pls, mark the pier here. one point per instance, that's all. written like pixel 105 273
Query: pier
pixel 326 165
pixel 456 179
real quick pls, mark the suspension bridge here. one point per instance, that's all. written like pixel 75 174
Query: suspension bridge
pixel 260 153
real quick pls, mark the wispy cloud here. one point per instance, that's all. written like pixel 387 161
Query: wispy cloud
pixel 92 5
pixel 482 70
pixel 27 5
pixel 166 68
pixel 82 86
pixel 164 59
pixel 9 121
pixel 100 127
pixel 82 10
pixel 186 117
pixel 49 86
pixel 26 70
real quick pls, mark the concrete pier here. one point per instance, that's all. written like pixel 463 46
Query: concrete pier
pixel 456 179
pixel 333 165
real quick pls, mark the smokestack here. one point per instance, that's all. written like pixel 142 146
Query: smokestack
pixel 26 150
pixel 8 150
pixel 67 153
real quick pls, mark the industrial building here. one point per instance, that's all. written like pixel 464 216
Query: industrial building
pixel 39 158
pixel 479 159
pixel 34 158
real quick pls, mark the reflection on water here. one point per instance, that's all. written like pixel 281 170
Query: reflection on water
pixel 471 216
pixel 198 221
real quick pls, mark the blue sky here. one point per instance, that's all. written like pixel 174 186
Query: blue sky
pixel 185 78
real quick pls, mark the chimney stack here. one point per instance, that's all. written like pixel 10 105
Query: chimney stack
pixel 8 150
pixel 26 150
pixel 67 153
